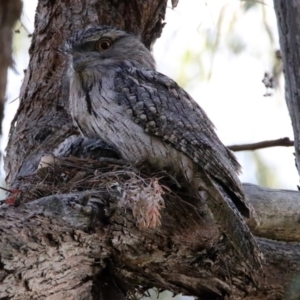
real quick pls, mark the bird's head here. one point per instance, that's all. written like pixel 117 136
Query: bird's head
pixel 105 46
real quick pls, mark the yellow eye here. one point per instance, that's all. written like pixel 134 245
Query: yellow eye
pixel 103 45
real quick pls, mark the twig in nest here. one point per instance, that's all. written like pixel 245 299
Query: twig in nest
pixel 172 178
pixel 284 142
pixel 6 190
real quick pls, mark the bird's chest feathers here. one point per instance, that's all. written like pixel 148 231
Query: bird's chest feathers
pixel 98 114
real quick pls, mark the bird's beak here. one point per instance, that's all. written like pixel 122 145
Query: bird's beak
pixel 79 61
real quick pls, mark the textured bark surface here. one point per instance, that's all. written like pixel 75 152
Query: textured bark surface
pixel 72 245
pixel 42 120
pixel 10 12
pixel 81 244
pixel 288 20
pixel 278 211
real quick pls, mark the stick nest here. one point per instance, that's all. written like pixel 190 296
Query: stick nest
pixel 140 189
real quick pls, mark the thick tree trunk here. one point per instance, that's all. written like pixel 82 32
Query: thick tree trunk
pixel 43 120
pixel 288 19
pixel 70 238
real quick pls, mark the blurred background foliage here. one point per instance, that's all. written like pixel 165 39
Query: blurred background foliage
pixel 219 51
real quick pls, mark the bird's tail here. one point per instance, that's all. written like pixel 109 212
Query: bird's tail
pixel 230 221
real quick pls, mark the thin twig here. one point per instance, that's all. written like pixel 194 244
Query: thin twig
pixel 284 142
pixel 6 190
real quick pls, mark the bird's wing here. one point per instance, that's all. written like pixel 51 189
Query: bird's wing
pixel 165 110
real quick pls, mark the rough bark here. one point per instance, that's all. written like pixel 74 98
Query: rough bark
pixel 81 244
pixel 288 20
pixel 278 211
pixel 10 12
pixel 67 245
pixel 42 120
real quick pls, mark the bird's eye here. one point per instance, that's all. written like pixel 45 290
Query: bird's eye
pixel 103 44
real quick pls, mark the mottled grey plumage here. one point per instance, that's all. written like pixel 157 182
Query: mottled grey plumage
pixel 116 94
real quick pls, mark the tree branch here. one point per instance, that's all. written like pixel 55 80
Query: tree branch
pixel 278 210
pixel 79 238
pixel 284 142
